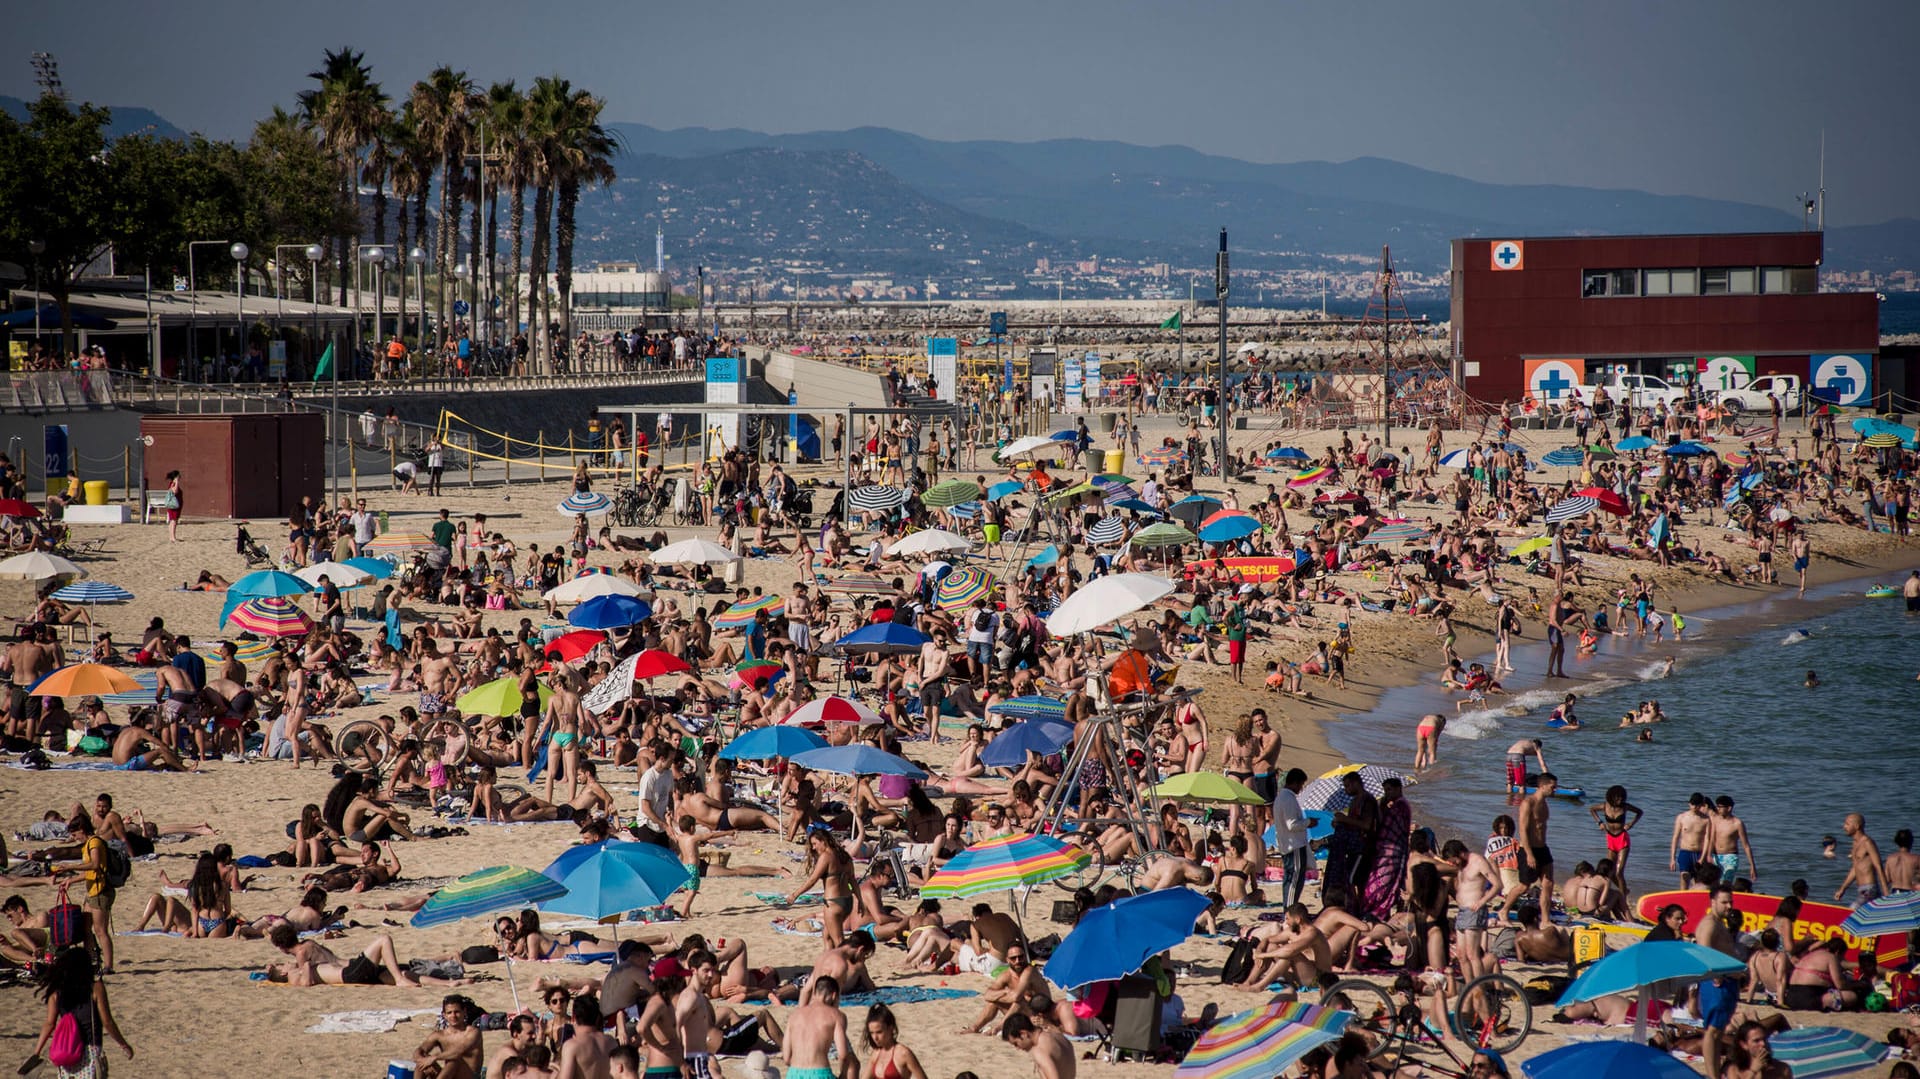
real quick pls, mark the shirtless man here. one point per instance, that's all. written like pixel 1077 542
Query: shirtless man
pixel 522 1033
pixel 1303 953
pixel 27 662
pixel 587 1053
pixel 1536 858
pixel 1018 990
pixel 1266 762
pixel 453 1052
pixel 1052 1053
pixel 693 1013
pixel 659 1027
pixel 1865 872
pixel 1903 866
pixel 1719 995
pixel 1689 835
pixel 437 681
pixel 847 964
pixel 1517 754
pixel 1726 836
pixel 135 750
pixel 935 662
pixel 1475 886
pixel 566 720
pixel 814 1027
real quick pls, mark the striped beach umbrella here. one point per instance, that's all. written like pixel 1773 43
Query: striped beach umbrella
pixel 1565 457
pixel 1882 440
pixel 832 710
pixel 950 493
pixel 1571 509
pixel 401 543
pixel 1162 534
pixel 1396 534
pixel 1004 863
pixel 741 614
pixel 1896 913
pixel 591 503
pixel 1262 1043
pixel 1107 531
pixel 751 669
pixel 1033 707
pixel 876 498
pixel 503 887
pixel 1459 460
pixel 1309 476
pixel 1372 776
pixel 270 617
pixel 959 589
pixel 91 592
pixel 860 584
pixel 1163 457
pixel 1813 1052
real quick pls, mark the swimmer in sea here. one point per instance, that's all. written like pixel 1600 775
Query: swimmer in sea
pixel 1827 845
pixel 1564 713
pixel 1668 669
pixel 1645 736
pixel 1813 680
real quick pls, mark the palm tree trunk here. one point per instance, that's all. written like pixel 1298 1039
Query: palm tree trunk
pixel 517 211
pixel 420 237
pixel 537 275
pixel 442 247
pixel 493 251
pixel 474 253
pixel 563 235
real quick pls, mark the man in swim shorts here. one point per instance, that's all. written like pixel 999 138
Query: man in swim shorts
pixel 1689 834
pixel 1517 761
pixel 1726 837
pixel 815 1026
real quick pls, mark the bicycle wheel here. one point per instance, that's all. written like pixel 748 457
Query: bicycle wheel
pixel 447 728
pixel 365 739
pixel 1492 1012
pixel 1088 877
pixel 1376 1017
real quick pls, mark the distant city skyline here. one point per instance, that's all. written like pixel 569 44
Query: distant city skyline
pixel 1716 99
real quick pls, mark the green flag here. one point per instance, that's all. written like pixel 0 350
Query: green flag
pixel 1172 322
pixel 325 366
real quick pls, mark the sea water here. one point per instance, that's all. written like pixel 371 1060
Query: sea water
pixel 1742 723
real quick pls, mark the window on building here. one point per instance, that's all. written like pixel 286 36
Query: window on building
pixel 1610 283
pixel 1593 283
pixel 1742 281
pixel 1658 282
pixel 1686 282
pixel 1773 279
pixel 1713 282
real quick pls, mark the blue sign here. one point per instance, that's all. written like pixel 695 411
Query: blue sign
pixel 1845 378
pixel 997 323
pixel 460 308
pixel 723 369
pixel 1006 376
pixel 943 346
pixel 57 459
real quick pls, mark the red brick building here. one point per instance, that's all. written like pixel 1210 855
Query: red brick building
pixel 1542 313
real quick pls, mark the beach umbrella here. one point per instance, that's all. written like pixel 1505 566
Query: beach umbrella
pixel 654 663
pixel 1003 863
pixel 264 584
pixel 377 568
pixel 1565 457
pixel 950 493
pixel 1813 1052
pixel 1112 479
pixel 341 574
pixel 756 668
pixel 1066 434
pixel 1020 447
pixel 1133 505
pixel 1110 598
pixel 39 566
pixel 1287 453
pixel 399 543
pixel 860 584
pixel 83 679
pixel 959 589
pixel 486 891
pixel 1319 826
pixel 1571 509
pixel 1004 488
pixel 591 503
pixel 1048 556
pixel 500 697
pixel 571 646
pixel 1882 440
pixel 1635 442
pixel 1210 788
pixel 1325 795
pixel 1396 534
pixel 617 686
pixel 1308 476
pixel 1640 967
pixel 1034 707
pixel 1075 491
pixel 572 858
pixel 1227 526
pixel 1162 534
pixel 1107 531
pixel 1262 1043
pixel 14 507
pixel 1460 460
pixel 1609 499
pixel 1010 747
pixel 888 637
pixel 1112 941
pixel 1163 457
pixel 617 878
pixel 876 498
pixel 768 743
pixel 1687 449
pixel 1193 509
pixel 270 617
pixel 1372 776
pixel 589 585
pixel 832 710
pixel 1601 453
pixel 691 552
pixel 610 612
pixel 1736 458
pixel 858 759
pixel 929 541
pixel 936 570
pixel 91 592
pixel 1659 532
pixel 1527 547
pixel 1606 1060
pixel 741 615
pixel 1118 492
pixel 1896 913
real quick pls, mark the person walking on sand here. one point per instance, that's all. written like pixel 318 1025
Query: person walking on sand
pixel 1802 549
pixel 176 497
pixel 1536 858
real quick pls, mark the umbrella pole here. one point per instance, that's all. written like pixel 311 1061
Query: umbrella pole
pixel 1640 1016
pixel 511 985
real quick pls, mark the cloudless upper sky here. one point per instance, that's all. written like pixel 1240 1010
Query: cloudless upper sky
pixel 1702 97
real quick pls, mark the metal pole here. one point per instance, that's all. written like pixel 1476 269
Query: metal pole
pixel 1386 350
pixel 1220 293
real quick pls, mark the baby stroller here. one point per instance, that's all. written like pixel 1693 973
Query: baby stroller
pixel 250 549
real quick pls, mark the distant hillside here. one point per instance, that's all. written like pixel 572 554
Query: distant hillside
pixel 127 119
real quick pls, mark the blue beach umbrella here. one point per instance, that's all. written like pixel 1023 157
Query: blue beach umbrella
pixel 1634 442
pixel 609 612
pixel 1816 1052
pixel 570 859
pixel 1605 1060
pixel 265 584
pixel 885 637
pixel 591 503
pixel 767 743
pixel 1687 449
pixel 1067 435
pixel 858 759
pixel 1288 453
pixel 1047 557
pixel 1896 913
pixel 1565 457
pixel 1009 748
pixel 619 877
pixel 1193 509
pixel 1136 505
pixel 1113 941
pixel 1229 529
pixel 1319 826
pixel 1004 488
pixel 1642 966
pixel 380 568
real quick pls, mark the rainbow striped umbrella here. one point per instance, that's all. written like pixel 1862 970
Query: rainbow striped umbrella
pixel 1896 913
pixel 503 887
pixel 1306 477
pixel 960 588
pixel 1813 1052
pixel 272 616
pixel 1163 457
pixel 1263 1042
pixel 1005 862
pixel 740 615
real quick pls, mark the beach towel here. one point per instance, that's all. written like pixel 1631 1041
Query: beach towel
pixel 892 995
pixel 585 958
pixel 798 927
pixel 370 1021
pixel 779 899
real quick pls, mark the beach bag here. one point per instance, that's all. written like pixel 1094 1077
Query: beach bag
pixel 117 866
pixel 64 1049
pixel 64 922
pixel 1903 990
pixel 1239 962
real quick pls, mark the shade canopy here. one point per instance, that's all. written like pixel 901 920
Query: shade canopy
pixel 1112 941
pixel 858 759
pixel 485 891
pixel 1003 863
pixel 1106 600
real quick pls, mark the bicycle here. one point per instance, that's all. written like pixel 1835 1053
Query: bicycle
pixel 1498 1017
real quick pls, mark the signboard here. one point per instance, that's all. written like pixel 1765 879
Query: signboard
pixel 1842 378
pixel 1072 384
pixel 943 360
pixel 277 359
pixel 57 458
pixel 1093 377
pixel 1508 255
pixel 1041 363
pixel 722 431
pixel 460 308
pixel 1006 375
pixel 997 323
pixel 1554 380
pixel 723 369
pixel 1724 372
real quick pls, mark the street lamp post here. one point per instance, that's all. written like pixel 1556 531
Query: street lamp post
pixel 461 273
pixel 193 305
pixel 314 254
pixel 369 254
pixel 38 248
pixel 1220 296
pixel 240 251
pixel 419 258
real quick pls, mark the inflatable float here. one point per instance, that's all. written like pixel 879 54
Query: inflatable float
pixel 1882 591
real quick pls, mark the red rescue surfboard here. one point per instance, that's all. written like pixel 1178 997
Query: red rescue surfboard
pixel 1250 570
pixel 1818 921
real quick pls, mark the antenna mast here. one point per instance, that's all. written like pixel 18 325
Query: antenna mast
pixel 46 72
pixel 1822 205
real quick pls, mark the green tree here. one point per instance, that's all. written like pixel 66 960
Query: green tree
pixel 443 107
pixel 57 188
pixel 345 109
pixel 583 150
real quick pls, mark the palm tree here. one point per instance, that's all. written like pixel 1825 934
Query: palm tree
pixel 513 166
pixel 345 109
pixel 584 150
pixel 546 106
pixel 443 106
pixel 411 173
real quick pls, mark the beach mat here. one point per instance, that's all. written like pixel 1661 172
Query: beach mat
pixel 370 1021
pixel 892 995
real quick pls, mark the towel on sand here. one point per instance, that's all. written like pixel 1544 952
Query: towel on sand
pixel 891 995
pixel 371 1021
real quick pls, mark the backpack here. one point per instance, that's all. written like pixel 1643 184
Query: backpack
pixel 1239 962
pixel 983 621
pixel 115 864
pixel 64 1050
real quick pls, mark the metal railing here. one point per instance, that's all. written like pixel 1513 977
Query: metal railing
pixel 68 391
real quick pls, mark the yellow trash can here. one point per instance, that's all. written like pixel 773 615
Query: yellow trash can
pixel 96 492
pixel 1116 461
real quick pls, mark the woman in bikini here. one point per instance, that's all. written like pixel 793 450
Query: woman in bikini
pixel 1814 983
pixel 832 869
pixel 1616 817
pixel 967 775
pixel 1236 760
pixel 1234 874
pixel 523 939
pixel 890 1059
pixel 315 843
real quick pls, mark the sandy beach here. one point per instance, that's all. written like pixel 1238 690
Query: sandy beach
pixel 190 1009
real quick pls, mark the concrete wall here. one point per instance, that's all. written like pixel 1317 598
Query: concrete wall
pixel 96 439
pixel 831 386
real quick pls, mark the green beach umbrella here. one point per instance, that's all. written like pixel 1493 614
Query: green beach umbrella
pixel 1209 787
pixel 500 697
pixel 1162 534
pixel 951 493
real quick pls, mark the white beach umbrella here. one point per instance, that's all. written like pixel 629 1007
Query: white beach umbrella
pixel 38 566
pixel 691 550
pixel 341 574
pixel 1020 447
pixel 590 585
pixel 1106 600
pixel 930 541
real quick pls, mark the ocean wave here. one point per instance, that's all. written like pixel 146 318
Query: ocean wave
pixel 1796 637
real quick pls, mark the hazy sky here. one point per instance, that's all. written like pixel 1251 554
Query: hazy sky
pixel 1722 99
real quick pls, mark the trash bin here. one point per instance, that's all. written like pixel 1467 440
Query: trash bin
pixel 1116 461
pixel 96 492
pixel 1106 423
pixel 1092 460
